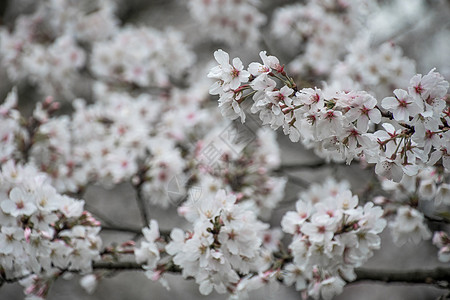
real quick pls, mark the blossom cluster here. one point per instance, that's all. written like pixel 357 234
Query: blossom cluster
pixel 409 226
pixel 441 240
pixel 320 28
pixel 44 46
pixel 248 175
pixel 150 58
pixel 237 21
pixel 42 232
pixel 379 70
pixel 225 242
pixel 332 235
pixel 428 184
pixel 336 123
pixel 136 125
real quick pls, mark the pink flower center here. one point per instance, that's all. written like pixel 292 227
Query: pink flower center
pixel 321 229
pixel 20 204
pixel 235 73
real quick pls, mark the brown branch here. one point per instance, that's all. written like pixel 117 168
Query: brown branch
pixel 301 166
pixel 137 231
pixel 436 219
pixel 439 276
pixel 118 266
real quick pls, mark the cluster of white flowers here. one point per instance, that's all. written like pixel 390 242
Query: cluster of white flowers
pixel 236 20
pixel 225 242
pixel 248 175
pixel 170 144
pixel 114 140
pixel 441 240
pixel 332 235
pixel 409 226
pixel 10 128
pixel 150 57
pixel 336 123
pixel 100 142
pixel 43 46
pixel 379 70
pixel 428 184
pixel 323 28
pixel 42 233
pixel 418 133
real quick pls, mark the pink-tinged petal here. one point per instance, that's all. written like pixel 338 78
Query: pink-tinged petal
pixel 389 103
pixel 272 62
pixel 375 116
pixel 222 57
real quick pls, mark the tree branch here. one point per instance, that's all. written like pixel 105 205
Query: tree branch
pixel 119 266
pixel 300 166
pixel 437 219
pixel 438 276
pixel 142 206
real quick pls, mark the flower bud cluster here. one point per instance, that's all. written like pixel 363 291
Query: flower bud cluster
pixel 41 231
pixel 332 235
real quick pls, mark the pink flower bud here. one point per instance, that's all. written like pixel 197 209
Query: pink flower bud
pixel 27 234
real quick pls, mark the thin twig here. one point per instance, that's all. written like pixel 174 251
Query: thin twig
pixel 437 219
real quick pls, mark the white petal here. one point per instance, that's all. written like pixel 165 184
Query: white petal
pixel 222 57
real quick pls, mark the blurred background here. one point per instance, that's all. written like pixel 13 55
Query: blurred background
pixel 420 28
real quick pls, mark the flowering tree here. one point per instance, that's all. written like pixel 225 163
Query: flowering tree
pixel 127 104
